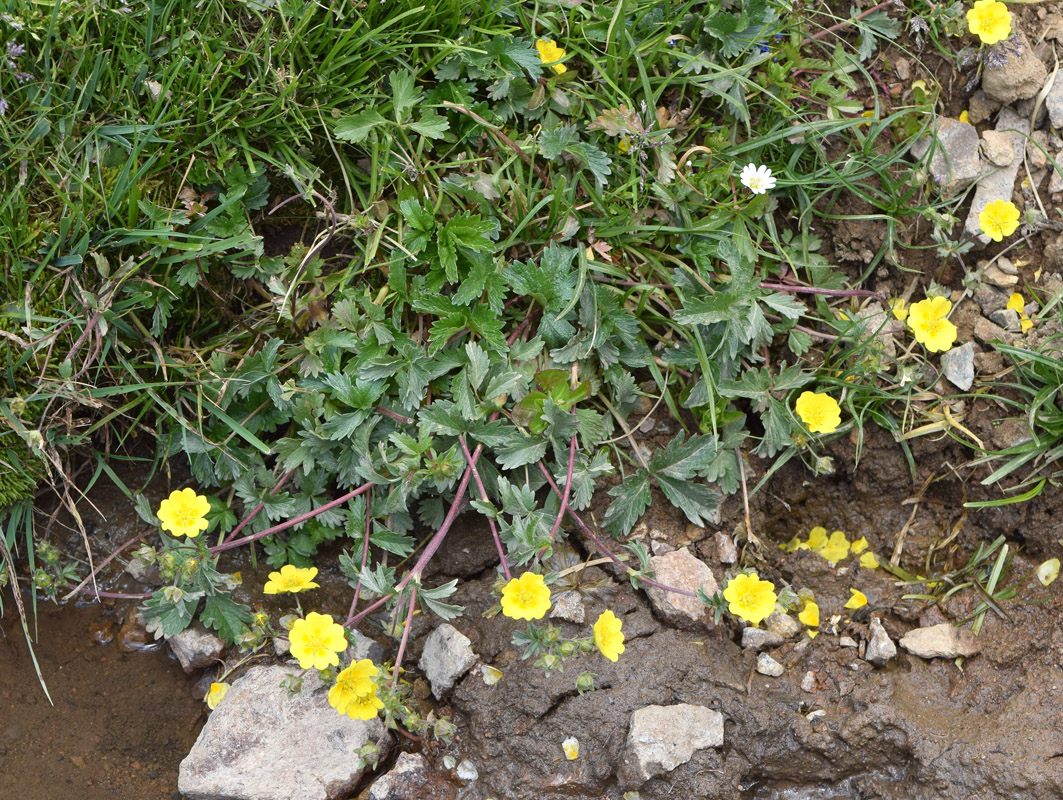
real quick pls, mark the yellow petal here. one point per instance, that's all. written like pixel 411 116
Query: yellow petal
pixel 857 599
pixel 859 546
pixel 1048 572
pixel 868 561
pixel 810 615
pixel 571 748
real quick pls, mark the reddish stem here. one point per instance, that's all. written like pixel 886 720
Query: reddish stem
pixel 405 635
pixel 365 554
pixel 256 509
pixel 483 494
pixel 292 522
pixel 568 487
pixel 601 545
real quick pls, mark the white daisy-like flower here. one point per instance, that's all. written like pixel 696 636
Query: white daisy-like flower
pixel 757 179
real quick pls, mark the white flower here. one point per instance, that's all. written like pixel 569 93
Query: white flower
pixel 757 179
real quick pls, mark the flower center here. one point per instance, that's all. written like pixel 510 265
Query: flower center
pixel 933 327
pixel 315 644
pixel 748 598
pixel 526 597
pixel 814 416
pixel 755 183
pixel 184 516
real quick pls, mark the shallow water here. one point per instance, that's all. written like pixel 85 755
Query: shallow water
pixel 121 722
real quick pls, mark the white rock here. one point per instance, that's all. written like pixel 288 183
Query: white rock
pixel 681 570
pixel 783 624
pixel 997 149
pixel 808 683
pixel 569 607
pixel 663 737
pixel 881 647
pixel 766 665
pixel 447 655
pixel 726 552
pixel 758 639
pixel 196 648
pixel 412 778
pixel 265 743
pixel 956 162
pixel 940 641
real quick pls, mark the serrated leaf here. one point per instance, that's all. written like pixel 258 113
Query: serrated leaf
pixel 230 619
pixel 357 127
pixel 405 94
pixel 521 451
pixel 431 125
pixel 632 500
pixel 681 460
pixel 693 498
pixel 397 543
pixel 479 363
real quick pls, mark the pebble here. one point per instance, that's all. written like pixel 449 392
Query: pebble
pixel 467 771
pixel 684 571
pixel 996 147
pixel 958 366
pixel 1005 318
pixel 783 624
pixel 998 277
pixel 1054 102
pixel 766 665
pixel 446 657
pixel 847 641
pixel 196 648
pixel 412 778
pixel 940 641
pixel 986 331
pixel 881 648
pixel 569 607
pixel 758 639
pixel 1000 183
pixel 1020 77
pixel 660 738
pixel 808 683
pixel 956 162
pixel 726 552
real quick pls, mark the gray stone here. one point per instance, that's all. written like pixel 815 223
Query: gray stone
pixel 265 743
pixel 880 649
pixel 998 277
pixel 766 665
pixel 955 163
pixel 758 639
pixel 958 366
pixel 980 108
pixel 1037 150
pixel 446 657
pixel 467 771
pixel 1005 264
pixel 196 648
pixel 1055 183
pixel 663 737
pixel 144 572
pixel 989 299
pixel 847 641
pixel 999 184
pixel 1005 318
pixel 1054 102
pixel 997 149
pixel 726 552
pixel 681 570
pixel 986 331
pixel 808 683
pixel 1018 78
pixel 783 624
pixel 940 641
pixel 412 778
pixel 569 607
pixel 364 647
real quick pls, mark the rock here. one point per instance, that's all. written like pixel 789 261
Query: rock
pixel 1011 433
pixel 1005 264
pixel 134 635
pixel 998 277
pixel 569 607
pixel 412 778
pixel 808 683
pixel 663 737
pixel 196 648
pixel 467 771
pixel 986 331
pixel 996 147
pixel 955 163
pixel 726 552
pixel 980 108
pixel 446 657
pixel 683 571
pixel 879 322
pixel 1054 102
pixel 783 624
pixel 1037 149
pixel 1005 318
pixel 758 639
pixel 1021 76
pixel 958 366
pixel 847 641
pixel 1055 183
pixel 999 184
pixel 364 647
pixel 881 647
pixel 940 641
pixel 766 665
pixel 266 743
pixel 989 363
pixel 989 299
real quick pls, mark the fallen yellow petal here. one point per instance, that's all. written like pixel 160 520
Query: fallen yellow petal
pixel 1048 572
pixel 859 546
pixel 868 561
pixel 857 600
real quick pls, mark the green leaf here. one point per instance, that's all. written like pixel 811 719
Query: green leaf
pixel 682 460
pixel 632 500
pixel 431 125
pixel 479 363
pixel 357 127
pixel 696 500
pixel 397 543
pixel 520 451
pixel 404 93
pixel 168 617
pixel 229 618
pixel 514 55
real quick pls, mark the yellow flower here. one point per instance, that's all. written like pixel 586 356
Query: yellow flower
pixel 550 52
pixel 820 412
pixel 794 544
pixel 859 546
pixel 900 308
pixel 624 145
pixel 836 549
pixel 868 561
pixel 817 538
pixel 990 21
pixel 355 693
pixel 857 599
pixel 184 513
pixel 750 598
pixel 999 219
pixel 810 614
pixel 216 693
pixel 607 635
pixel 316 640
pixel 291 579
pixel 964 116
pixel 928 320
pixel 526 597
